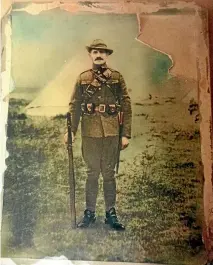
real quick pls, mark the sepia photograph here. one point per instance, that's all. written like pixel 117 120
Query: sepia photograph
pixel 103 137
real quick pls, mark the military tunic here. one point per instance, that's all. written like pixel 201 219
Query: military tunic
pixel 100 131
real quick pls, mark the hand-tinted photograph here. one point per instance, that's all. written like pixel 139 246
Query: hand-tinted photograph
pixel 104 142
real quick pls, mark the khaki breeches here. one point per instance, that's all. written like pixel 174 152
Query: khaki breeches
pixel 100 155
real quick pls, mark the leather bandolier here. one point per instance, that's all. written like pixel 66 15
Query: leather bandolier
pixel 88 107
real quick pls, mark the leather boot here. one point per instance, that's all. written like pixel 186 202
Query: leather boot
pixel 88 219
pixel 112 220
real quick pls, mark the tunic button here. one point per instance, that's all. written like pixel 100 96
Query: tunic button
pixel 99 97
pixel 99 88
pixel 99 72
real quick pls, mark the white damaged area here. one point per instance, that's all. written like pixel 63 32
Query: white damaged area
pixel 6 88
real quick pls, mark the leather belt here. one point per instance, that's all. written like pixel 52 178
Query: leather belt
pixel 91 108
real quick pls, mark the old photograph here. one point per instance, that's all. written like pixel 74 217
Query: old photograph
pixel 103 138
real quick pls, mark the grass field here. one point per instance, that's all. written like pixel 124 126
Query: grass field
pixel 159 191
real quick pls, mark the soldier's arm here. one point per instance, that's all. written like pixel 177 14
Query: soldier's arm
pixel 126 108
pixel 75 105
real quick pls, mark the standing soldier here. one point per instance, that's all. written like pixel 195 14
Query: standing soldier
pixel 99 95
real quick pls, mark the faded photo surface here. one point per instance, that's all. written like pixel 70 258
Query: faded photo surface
pixel 154 202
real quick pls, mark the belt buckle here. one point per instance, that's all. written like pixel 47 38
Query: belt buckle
pixel 102 108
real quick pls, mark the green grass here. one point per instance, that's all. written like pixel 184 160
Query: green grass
pixel 158 198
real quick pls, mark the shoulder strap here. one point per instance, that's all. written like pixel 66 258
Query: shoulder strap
pixel 115 91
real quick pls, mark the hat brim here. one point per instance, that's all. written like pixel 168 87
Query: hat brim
pixel 89 48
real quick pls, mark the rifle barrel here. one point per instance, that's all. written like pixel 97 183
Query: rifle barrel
pixel 71 172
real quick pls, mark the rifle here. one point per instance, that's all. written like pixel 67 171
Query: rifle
pixel 120 120
pixel 71 172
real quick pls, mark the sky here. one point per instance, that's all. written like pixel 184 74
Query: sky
pixel 44 45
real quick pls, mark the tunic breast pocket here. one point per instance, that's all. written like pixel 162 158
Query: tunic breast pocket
pixel 84 86
pixel 89 91
pixel 113 88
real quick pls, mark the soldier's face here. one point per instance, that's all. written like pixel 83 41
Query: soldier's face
pixel 98 57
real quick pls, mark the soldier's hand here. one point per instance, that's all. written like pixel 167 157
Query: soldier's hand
pixel 66 138
pixel 124 142
pixel 73 137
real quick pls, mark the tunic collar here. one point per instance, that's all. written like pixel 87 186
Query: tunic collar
pixel 100 68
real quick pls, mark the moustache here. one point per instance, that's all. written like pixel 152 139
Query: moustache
pixel 98 58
